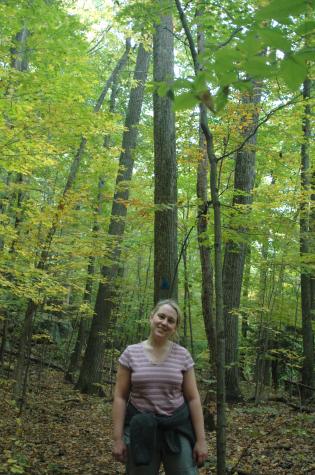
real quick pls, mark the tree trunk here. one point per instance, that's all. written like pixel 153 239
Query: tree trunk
pixel 20 373
pixel 306 277
pixel 207 298
pixel 19 61
pixel 245 324
pixel 234 256
pixel 165 168
pixel 91 371
pixel 84 325
pixel 187 303
pixel 262 334
pixel 220 334
pixel 83 330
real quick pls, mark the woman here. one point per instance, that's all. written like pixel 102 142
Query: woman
pixel 163 420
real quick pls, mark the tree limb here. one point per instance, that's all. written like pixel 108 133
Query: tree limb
pixel 113 76
pixel 260 123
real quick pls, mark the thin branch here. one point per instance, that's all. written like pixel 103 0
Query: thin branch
pixel 260 123
pixel 176 36
pixel 192 47
pixel 230 38
pixel 91 50
pixel 113 76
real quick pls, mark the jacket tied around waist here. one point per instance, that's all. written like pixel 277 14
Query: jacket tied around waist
pixel 148 429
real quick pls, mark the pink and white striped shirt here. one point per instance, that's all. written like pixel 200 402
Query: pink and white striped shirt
pixel 156 387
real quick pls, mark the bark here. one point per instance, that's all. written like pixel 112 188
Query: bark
pixel 235 252
pixel 91 371
pixel 165 167
pixel 187 305
pixel 306 277
pixel 245 324
pixel 19 51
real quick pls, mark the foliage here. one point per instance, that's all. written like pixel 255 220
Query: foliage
pixel 48 107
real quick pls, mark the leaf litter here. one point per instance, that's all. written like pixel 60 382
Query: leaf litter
pixel 64 432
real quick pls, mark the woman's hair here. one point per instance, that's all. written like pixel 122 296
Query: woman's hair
pixel 172 304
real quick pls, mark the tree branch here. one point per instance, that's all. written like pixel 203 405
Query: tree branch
pixel 260 123
pixel 114 74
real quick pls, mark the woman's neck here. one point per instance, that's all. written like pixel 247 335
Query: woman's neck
pixel 158 344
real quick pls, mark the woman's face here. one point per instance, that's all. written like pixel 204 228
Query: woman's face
pixel 163 322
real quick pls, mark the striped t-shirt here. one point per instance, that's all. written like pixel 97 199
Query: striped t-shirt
pixel 156 387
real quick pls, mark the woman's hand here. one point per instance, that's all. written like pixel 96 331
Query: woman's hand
pixel 119 451
pixel 200 452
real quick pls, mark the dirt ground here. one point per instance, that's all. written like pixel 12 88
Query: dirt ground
pixel 64 432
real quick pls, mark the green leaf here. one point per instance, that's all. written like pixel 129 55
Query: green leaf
pixel 282 9
pixel 221 98
pixel 306 28
pixel 275 39
pixel 186 100
pixel 225 58
pixel 16 469
pixel 243 85
pixel 182 84
pixel 306 54
pixel 162 88
pixel 227 77
pixel 252 43
pixel 293 71
pixel 200 82
pixel 257 66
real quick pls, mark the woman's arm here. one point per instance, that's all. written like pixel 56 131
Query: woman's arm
pixel 192 397
pixel 121 395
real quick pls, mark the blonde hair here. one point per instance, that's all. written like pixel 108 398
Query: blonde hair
pixel 172 303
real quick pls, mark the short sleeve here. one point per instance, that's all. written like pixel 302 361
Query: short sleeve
pixel 188 361
pixel 124 358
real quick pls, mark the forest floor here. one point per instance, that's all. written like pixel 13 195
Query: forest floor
pixel 64 432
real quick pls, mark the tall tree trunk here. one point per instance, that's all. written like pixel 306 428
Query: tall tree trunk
pixel 165 167
pixel 84 325
pixel 245 293
pixel 19 61
pixel 18 210
pixel 91 371
pixel 220 334
pixel 306 277
pixel 187 303
pixel 207 298
pixel 83 330
pixel 234 255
